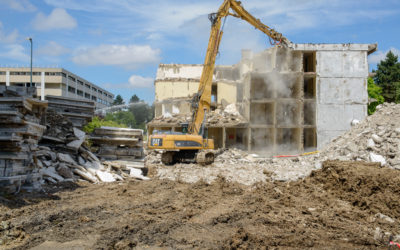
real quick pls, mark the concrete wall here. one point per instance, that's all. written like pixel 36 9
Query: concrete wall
pixel 188 71
pixel 226 93
pixel 175 89
pixel 341 88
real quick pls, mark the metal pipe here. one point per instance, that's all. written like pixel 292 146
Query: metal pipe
pixel 30 40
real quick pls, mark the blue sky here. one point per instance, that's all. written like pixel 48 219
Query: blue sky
pixel 118 44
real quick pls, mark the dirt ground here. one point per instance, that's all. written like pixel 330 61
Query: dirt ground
pixel 343 205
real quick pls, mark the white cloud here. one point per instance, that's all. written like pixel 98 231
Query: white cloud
pixel 19 5
pixel 181 23
pixel 376 57
pixel 52 49
pixel 127 56
pixel 136 81
pixel 10 38
pixel 58 19
pixel 15 52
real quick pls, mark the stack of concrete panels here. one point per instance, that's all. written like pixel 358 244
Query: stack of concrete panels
pixel 78 111
pixel 118 143
pixel 20 131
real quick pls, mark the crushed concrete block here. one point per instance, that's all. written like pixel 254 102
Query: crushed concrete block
pixel 79 133
pixel 384 217
pixel 75 144
pixel 370 144
pixel 40 164
pixel 105 176
pixel 138 174
pixel 377 139
pixel 65 171
pixel 49 179
pixel 85 175
pixel 47 163
pixel 377 158
pixel 355 122
pixel 81 160
pixel 118 177
pixel 66 158
pixel 51 173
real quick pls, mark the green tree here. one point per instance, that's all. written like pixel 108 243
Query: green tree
pixel 97 122
pixel 118 100
pixel 374 92
pixel 388 77
pixel 122 117
pixel 134 99
pixel 143 113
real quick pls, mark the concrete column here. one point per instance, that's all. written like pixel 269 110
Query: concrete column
pixel 66 86
pixel 223 137
pixel 249 139
pixel 8 78
pixel 42 87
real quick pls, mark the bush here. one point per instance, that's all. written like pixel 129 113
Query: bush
pixel 374 92
pixel 98 122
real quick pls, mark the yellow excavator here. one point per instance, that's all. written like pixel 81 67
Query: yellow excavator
pixel 192 144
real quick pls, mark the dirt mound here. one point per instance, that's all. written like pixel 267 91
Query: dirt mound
pixel 364 185
pixel 346 205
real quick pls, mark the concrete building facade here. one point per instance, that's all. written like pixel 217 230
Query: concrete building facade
pixel 294 100
pixel 56 82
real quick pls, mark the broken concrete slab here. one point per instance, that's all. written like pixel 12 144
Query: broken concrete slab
pixel 105 176
pixel 51 173
pixel 85 175
pixel 66 158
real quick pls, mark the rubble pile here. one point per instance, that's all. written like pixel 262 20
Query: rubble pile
pixel 118 143
pixel 376 139
pixel 217 118
pixel 78 111
pixel 59 167
pixel 63 156
pixel 20 130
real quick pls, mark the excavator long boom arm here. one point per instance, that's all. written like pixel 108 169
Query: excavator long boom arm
pixel 202 100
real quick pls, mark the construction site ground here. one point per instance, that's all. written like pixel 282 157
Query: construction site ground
pixel 342 205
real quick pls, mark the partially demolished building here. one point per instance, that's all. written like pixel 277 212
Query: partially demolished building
pixel 279 100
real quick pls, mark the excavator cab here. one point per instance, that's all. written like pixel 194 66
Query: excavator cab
pixel 185 127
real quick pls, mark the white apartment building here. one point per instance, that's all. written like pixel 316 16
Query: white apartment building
pixel 56 82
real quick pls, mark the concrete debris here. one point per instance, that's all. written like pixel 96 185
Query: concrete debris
pixel 215 118
pixel 117 143
pixel 377 158
pixel 20 131
pixel 33 154
pixel 236 166
pixel 50 172
pixel 375 139
pixel 78 111
pixel 105 176
pixel 231 109
pixel 384 218
pixel 66 158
